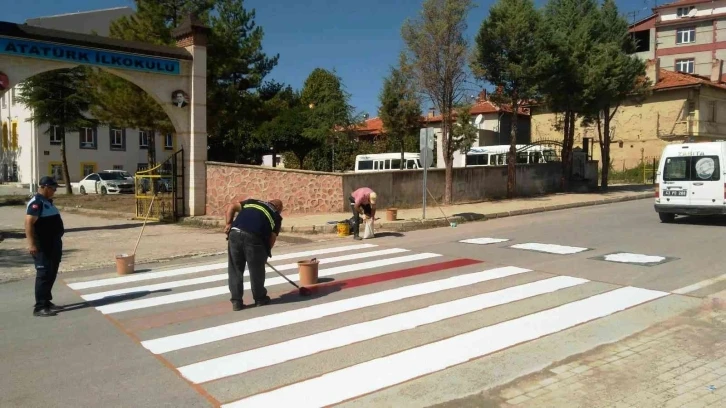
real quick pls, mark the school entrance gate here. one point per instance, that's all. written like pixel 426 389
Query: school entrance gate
pixel 174 76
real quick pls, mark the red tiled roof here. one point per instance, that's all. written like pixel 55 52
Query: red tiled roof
pixel 644 24
pixel 672 79
pixel 680 3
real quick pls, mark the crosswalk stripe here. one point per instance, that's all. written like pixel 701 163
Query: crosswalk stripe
pixel 224 276
pixel 220 290
pixel 235 329
pixel 204 268
pixel 374 375
pixel 245 361
pixel 550 248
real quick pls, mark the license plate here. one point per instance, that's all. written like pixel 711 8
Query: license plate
pixel 675 193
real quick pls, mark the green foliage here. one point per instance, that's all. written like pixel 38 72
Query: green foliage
pixel 154 20
pixel 400 110
pixel 59 98
pixel 286 133
pixel 463 132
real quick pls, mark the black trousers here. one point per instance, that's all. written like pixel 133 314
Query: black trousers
pixel 246 249
pixel 46 261
pixel 356 216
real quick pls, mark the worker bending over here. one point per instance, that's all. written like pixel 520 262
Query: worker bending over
pixel 362 201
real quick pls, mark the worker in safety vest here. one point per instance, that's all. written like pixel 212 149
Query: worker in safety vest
pixel 251 235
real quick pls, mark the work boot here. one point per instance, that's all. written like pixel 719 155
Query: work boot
pixel 44 312
pixel 237 306
pixel 262 302
pixel 52 306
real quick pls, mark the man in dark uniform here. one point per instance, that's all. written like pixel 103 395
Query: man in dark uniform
pixel 251 237
pixel 44 231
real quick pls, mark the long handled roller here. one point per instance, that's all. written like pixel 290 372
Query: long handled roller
pixel 301 289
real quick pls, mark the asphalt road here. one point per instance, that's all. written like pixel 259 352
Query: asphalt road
pixel 401 320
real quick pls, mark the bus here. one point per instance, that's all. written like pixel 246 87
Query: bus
pixel 387 161
pixel 497 155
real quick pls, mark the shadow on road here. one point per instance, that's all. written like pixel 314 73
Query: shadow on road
pixel 19 257
pixel 110 300
pixel 706 221
pixel 388 234
pixel 108 227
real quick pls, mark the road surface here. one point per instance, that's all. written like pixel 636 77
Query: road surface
pixel 402 320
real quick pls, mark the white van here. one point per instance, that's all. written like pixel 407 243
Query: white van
pixel 387 161
pixel 689 180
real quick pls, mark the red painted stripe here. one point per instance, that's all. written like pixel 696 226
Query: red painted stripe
pixel 321 289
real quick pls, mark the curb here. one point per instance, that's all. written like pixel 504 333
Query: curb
pixel 417 224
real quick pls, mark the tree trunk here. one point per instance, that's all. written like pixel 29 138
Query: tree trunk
pixel 64 160
pixel 605 150
pixel 403 149
pixel 511 169
pixel 274 156
pixel 567 145
pixel 566 132
pixel 448 160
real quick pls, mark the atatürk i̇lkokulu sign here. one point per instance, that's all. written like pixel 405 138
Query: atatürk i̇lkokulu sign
pixel 88 56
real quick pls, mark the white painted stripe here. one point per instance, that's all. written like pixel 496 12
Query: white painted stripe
pixel 224 276
pixel 220 290
pixel 279 353
pixel 390 370
pixel 626 257
pixel 550 248
pixel 230 330
pixel 204 268
pixel 700 285
pixel 484 241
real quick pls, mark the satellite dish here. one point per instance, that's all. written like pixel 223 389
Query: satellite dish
pixel 478 119
pixel 692 12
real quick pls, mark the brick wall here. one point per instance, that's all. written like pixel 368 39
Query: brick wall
pixel 300 191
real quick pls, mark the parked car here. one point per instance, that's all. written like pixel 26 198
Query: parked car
pixel 125 174
pixel 105 183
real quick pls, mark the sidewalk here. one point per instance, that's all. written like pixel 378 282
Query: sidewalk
pixel 678 363
pixel 411 219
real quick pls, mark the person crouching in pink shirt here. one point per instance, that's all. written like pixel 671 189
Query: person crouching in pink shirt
pixel 362 201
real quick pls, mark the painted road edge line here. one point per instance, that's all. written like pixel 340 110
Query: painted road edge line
pixel 220 290
pixel 226 331
pixel 239 363
pixel 225 276
pixel 345 384
pixel 202 268
pixel 699 285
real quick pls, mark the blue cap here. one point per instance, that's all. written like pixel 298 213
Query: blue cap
pixel 48 181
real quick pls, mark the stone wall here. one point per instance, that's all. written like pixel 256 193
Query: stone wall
pixel 300 191
pixel 313 192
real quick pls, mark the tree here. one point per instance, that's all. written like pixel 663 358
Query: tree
pixel 507 55
pixel 611 77
pixel 569 27
pixel 59 98
pixel 463 132
pixel 154 20
pixel 400 110
pixel 437 49
pixel 330 113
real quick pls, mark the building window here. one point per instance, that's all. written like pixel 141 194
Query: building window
pixel 685 65
pixel 56 135
pixel 168 141
pixel 12 97
pixel 143 140
pixel 118 167
pixel 88 168
pixel 142 166
pixel 87 138
pixel 5 101
pixel 56 170
pixel 683 11
pixel 712 106
pixel 6 136
pixel 686 35
pixel 118 139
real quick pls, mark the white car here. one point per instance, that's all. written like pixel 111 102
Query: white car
pixel 125 174
pixel 105 183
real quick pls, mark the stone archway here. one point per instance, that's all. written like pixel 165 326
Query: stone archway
pixel 160 71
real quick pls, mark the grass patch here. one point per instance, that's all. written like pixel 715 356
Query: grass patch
pixel 12 200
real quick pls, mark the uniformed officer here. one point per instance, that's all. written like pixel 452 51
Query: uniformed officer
pixel 251 237
pixel 44 231
pixel 362 201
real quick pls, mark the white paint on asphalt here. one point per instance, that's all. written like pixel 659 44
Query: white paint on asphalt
pixel 224 276
pixel 699 285
pixel 220 290
pixel 550 248
pixel 484 241
pixel 388 371
pixel 245 361
pixel 204 268
pixel 230 330
pixel 626 257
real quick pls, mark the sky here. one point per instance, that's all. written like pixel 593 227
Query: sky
pixel 360 41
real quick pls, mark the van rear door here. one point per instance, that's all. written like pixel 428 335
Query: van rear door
pixel 676 181
pixel 706 188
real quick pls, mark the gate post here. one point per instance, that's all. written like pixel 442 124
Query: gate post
pixel 192 35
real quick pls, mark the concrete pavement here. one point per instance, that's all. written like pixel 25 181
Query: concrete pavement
pixel 414 319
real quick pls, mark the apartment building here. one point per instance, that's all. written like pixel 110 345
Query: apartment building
pixel 30 150
pixel 685 35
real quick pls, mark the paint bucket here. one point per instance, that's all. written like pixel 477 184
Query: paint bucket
pixel 391 214
pixel 343 229
pixel 124 264
pixel 308 272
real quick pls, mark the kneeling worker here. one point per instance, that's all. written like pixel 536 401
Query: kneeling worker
pixel 362 201
pixel 251 237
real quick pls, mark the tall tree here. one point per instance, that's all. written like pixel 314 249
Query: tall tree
pixel 59 98
pixel 437 48
pixel 569 28
pixel 507 55
pixel 330 114
pixel 400 110
pixel 612 76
